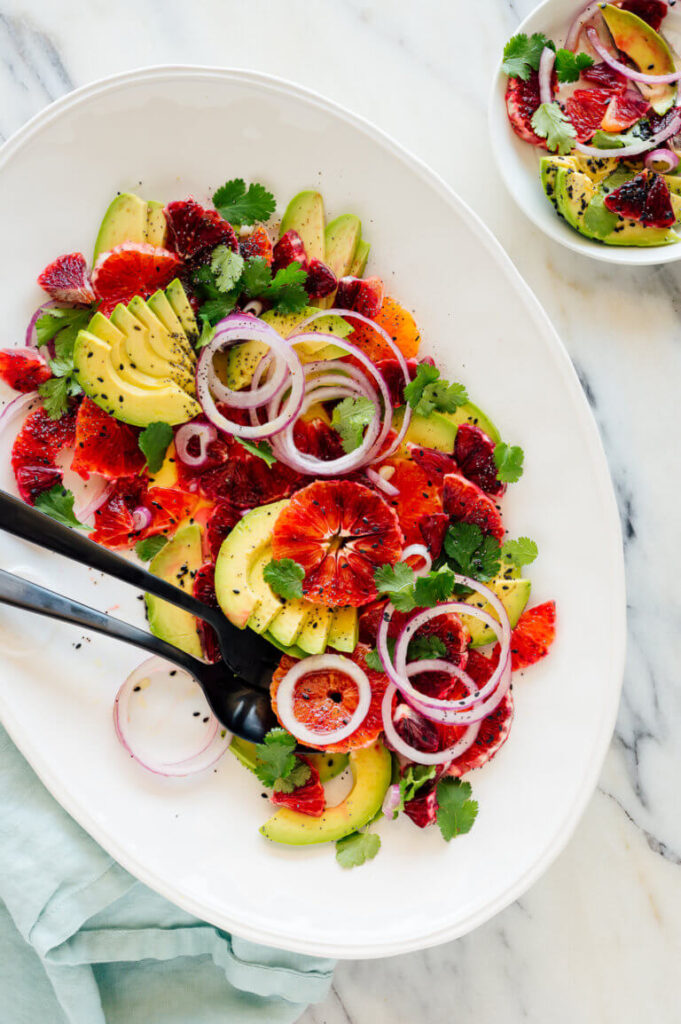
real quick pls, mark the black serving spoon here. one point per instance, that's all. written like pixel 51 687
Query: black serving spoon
pixel 243 710
pixel 247 655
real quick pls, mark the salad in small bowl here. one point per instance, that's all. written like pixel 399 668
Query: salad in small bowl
pixel 254 417
pixel 586 124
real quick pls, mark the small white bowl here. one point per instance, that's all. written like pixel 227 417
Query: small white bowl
pixel 518 161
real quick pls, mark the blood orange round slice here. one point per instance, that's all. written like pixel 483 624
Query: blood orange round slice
pixel 132 268
pixel 324 701
pixel 339 531
pixel 104 445
pixel 419 496
pixel 534 634
pixel 466 502
pixel 35 449
pixel 494 729
pixel 23 371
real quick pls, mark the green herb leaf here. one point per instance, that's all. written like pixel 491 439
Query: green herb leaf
pixel 350 417
pixel 455 812
pixel 423 648
pixel 509 462
pixel 522 55
pixel 471 553
pixel 58 503
pixel 373 658
pixel 598 219
pixel 357 848
pixel 227 266
pixel 550 123
pixel 262 449
pixel 569 65
pixel 55 394
pixel 397 581
pixel 257 277
pixel 149 547
pixel 295 779
pixel 434 587
pixel 285 577
pixel 153 442
pixel 207 332
pixel 274 758
pixel 239 205
pixel 415 776
pixel 427 392
pixel 286 292
pixel 57 320
pixel 521 552
pixel 614 140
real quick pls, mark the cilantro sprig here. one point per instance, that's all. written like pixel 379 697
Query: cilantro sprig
pixel 415 777
pixel 550 123
pixel 240 205
pixel 61 327
pixel 262 449
pixel 154 442
pixel 456 812
pixel 228 276
pixel 350 417
pixel 407 591
pixel 520 552
pixel 522 55
pixel 471 553
pixel 285 577
pixel 569 65
pixel 58 504
pixel 427 392
pixel 276 765
pixel 357 848
pixel 509 462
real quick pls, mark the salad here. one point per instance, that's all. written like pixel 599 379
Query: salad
pixel 232 400
pixel 606 106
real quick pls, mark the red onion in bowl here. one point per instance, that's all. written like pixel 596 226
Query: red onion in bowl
pixel 382 484
pixel 624 69
pixel 583 17
pixel 141 518
pixel 662 161
pixel 546 62
pixel 17 407
pixel 102 490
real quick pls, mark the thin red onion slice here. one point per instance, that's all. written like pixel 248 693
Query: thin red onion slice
pixel 102 489
pixel 31 337
pixel 636 148
pixel 391 801
pixel 668 160
pixel 585 15
pixel 413 753
pixel 477 711
pixel 322 663
pixel 624 69
pixel 546 62
pixel 175 701
pixel 204 432
pixel 17 407
pixel 382 484
pixel 141 518
pixel 420 551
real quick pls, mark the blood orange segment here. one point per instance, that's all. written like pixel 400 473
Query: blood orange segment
pixel 474 453
pixel 606 77
pixel 168 507
pixel 645 198
pixel 22 371
pixel 419 496
pixel 104 445
pixel 114 523
pixel 222 521
pixel 324 701
pixel 534 634
pixel 132 268
pixel 466 502
pixel 306 799
pixel 256 244
pixel 204 590
pixel 522 99
pixel 586 109
pixel 339 531
pixel 399 325
pixel 192 229
pixel 623 111
pixel 35 449
pixel 494 730
pixel 67 279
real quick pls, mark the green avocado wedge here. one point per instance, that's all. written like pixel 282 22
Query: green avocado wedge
pixel 646 49
pixel 305 214
pixel 328 765
pixel 514 593
pixel 176 563
pixel 371 770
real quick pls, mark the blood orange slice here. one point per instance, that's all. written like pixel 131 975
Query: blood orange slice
pixel 586 109
pixel 104 445
pixel 67 279
pixel 132 268
pixel 192 229
pixel 419 496
pixel 534 634
pixel 256 244
pixel 466 502
pixel 22 371
pixel 494 729
pixel 623 111
pixel 114 523
pixel 204 590
pixel 400 326
pixel 34 451
pixel 522 99
pixel 339 531
pixel 307 799
pixel 324 701
pixel 474 453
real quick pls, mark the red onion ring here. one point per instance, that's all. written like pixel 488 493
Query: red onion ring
pixel 666 157
pixel 382 484
pixel 214 740
pixel 31 337
pixel 477 711
pixel 585 15
pixel 205 432
pixel 141 518
pixel 322 663
pixel 16 408
pixel 623 69
pixel 102 492
pixel 418 551
pixel 546 62
pixel 636 148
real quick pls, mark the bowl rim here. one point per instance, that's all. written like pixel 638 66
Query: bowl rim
pixel 570 380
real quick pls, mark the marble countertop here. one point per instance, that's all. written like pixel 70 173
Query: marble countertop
pixel 598 939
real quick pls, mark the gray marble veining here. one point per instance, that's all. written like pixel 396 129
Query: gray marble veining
pixel 598 939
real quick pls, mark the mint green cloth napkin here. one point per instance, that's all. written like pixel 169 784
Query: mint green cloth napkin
pixel 82 942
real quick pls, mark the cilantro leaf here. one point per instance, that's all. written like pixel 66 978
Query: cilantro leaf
pixel 262 449
pixel 455 812
pixel 285 577
pixel 58 320
pixel 56 392
pixel 149 547
pixel 569 65
pixel 471 553
pixel 509 462
pixel 397 581
pixel 350 417
pixel 295 778
pixel 434 587
pixel 286 292
pixel 58 504
pixel 522 55
pixel 428 392
pixel 550 123
pixel 373 658
pixel 240 205
pixel 598 219
pixel 415 776
pixel 207 332
pixel 215 304
pixel 423 648
pixel 274 758
pixel 614 140
pixel 227 266
pixel 153 442
pixel 257 277
pixel 521 551
pixel 357 849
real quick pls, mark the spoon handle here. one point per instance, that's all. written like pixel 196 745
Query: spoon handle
pixel 30 597
pixel 30 524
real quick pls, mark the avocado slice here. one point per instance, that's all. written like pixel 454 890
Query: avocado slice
pixel 344 629
pixel 269 605
pixel 305 214
pixel 371 770
pixel 341 238
pixel 243 547
pixel 646 49
pixel 124 221
pixel 430 431
pixel 582 206
pixel 141 355
pixel 286 626
pixel 160 306
pixel 548 169
pixel 574 192
pixel 470 413
pixel 313 636
pixel 598 168
pixel 172 350
pixel 359 263
pixel 513 594
pixel 328 765
pixel 105 331
pixel 101 381
pixel 177 297
pixel 176 563
pixel 156 224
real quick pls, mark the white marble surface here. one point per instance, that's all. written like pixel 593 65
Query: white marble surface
pixel 598 939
